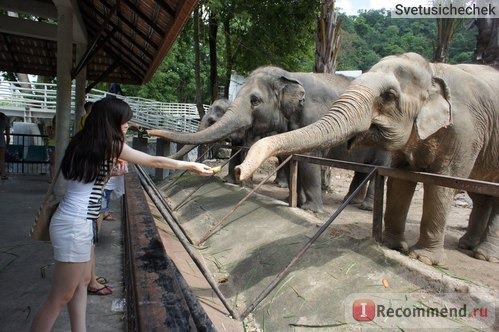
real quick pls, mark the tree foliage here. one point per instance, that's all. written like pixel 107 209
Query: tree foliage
pixel 282 33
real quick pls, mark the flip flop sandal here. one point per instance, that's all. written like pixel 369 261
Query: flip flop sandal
pixel 106 290
pixel 101 280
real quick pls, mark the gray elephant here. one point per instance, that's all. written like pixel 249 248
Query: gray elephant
pixel 275 101
pixel 364 155
pixel 216 110
pixel 435 118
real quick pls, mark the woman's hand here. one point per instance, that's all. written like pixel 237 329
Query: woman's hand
pixel 200 169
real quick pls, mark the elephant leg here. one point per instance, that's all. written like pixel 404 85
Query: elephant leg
pixel 326 175
pixel 310 182
pixel 368 202
pixel 480 214
pixel 233 162
pixel 398 200
pixel 356 181
pixel 282 175
pixel 488 249
pixel 436 204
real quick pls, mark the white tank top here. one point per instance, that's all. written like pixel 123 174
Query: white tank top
pixel 85 198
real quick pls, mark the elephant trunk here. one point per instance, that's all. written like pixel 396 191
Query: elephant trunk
pixel 231 122
pixel 182 152
pixel 187 148
pixel 350 115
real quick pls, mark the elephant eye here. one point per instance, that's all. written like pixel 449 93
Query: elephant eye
pixel 389 95
pixel 255 100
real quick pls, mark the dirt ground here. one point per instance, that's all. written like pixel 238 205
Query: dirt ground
pixel 459 262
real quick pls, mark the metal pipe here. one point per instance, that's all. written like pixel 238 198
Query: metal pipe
pixel 177 230
pixel 219 225
pixel 286 270
pixel 185 171
pixel 179 205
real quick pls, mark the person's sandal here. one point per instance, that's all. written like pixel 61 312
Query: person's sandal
pixel 105 290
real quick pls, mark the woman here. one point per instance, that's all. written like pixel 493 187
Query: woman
pixel 86 164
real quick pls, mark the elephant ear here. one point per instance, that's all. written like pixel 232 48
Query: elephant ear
pixel 436 112
pixel 291 95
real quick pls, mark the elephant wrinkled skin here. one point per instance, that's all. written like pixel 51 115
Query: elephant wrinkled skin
pixel 436 118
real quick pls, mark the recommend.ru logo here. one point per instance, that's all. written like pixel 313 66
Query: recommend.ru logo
pixel 422 310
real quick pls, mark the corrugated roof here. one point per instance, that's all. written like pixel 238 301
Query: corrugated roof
pixel 126 39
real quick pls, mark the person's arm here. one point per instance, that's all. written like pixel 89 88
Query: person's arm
pixel 141 158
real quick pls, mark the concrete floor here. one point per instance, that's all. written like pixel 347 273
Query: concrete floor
pixel 22 261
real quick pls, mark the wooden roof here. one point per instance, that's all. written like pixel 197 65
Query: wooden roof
pixel 126 40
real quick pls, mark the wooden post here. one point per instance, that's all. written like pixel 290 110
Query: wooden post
pixel 379 193
pixel 162 149
pixel 293 183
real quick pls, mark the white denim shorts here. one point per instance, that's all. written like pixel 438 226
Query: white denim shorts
pixel 71 237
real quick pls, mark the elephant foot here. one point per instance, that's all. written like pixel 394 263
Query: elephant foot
pixel 468 242
pixel 355 200
pixel 281 184
pixel 395 242
pixel 433 256
pixel 367 206
pixel 487 251
pixel 229 179
pixel 314 207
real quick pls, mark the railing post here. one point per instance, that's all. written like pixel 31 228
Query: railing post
pixel 162 149
pixel 379 193
pixel 293 183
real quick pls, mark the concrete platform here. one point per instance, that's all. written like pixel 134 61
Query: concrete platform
pixel 22 261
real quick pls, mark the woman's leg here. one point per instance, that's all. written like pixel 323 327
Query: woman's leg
pixel 77 307
pixel 66 279
pixel 106 200
pixel 106 205
pixel 94 286
pixel 93 279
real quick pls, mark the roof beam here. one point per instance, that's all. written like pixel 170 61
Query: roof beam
pixel 22 27
pixel 49 11
pixel 79 30
pixel 35 8
pixel 167 7
pixel 94 48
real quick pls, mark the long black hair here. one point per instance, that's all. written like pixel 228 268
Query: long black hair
pixel 99 142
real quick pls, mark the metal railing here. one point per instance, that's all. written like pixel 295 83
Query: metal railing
pixel 376 173
pixel 27 154
pixel 31 101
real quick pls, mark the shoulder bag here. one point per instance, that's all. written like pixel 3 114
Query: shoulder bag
pixel 40 228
